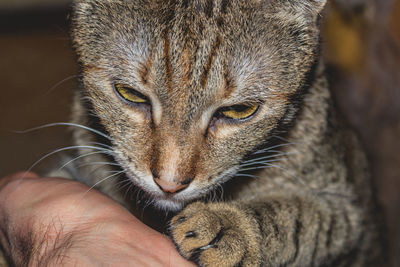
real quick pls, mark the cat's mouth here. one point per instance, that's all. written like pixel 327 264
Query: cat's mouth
pixel 173 201
pixel 177 200
pixel 166 195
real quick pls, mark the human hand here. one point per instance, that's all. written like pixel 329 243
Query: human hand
pixel 54 221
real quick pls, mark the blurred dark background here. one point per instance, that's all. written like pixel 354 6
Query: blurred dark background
pixel 361 46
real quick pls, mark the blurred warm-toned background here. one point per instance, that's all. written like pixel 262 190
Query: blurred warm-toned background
pixel 361 46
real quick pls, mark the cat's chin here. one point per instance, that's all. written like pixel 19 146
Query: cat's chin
pixel 168 205
pixel 172 203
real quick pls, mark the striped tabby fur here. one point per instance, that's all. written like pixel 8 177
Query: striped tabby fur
pixel 286 187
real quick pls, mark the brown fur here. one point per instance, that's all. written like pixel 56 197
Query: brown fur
pixel 314 207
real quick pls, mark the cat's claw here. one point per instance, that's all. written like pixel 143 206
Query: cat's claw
pixel 214 235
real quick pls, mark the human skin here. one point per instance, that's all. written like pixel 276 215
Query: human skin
pixel 58 222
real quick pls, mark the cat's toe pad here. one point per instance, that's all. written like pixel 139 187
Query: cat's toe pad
pixel 210 235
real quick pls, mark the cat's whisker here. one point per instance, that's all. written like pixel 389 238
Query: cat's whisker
pixel 127 191
pixel 284 139
pixel 66 149
pixel 102 180
pixel 275 146
pixel 97 169
pixel 277 154
pixel 254 168
pixel 137 192
pixel 123 184
pixel 149 202
pixel 256 163
pixel 247 175
pixel 130 192
pixel 59 83
pixel 115 171
pixel 213 196
pixel 221 188
pixel 281 155
pixel 268 165
pixel 266 159
pixel 82 156
pixel 105 163
pixel 101 144
pixel 64 124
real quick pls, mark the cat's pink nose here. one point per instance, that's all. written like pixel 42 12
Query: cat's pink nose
pixel 170 187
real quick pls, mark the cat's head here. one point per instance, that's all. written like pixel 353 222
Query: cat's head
pixel 186 89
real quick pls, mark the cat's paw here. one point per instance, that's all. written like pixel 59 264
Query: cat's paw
pixel 216 234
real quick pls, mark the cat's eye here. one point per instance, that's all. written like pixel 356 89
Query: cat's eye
pixel 131 95
pixel 239 112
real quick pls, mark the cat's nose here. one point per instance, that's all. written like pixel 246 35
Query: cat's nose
pixel 172 187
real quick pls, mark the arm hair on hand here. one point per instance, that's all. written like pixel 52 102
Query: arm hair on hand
pixel 24 247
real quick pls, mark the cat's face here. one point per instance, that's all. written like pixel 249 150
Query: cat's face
pixel 187 89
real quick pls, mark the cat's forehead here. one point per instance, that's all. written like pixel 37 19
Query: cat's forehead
pixel 101 28
pixel 186 50
pixel 113 23
pixel 190 66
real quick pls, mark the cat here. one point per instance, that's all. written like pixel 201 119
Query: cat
pixel 219 113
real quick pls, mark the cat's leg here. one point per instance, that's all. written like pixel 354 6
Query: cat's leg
pixel 277 231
